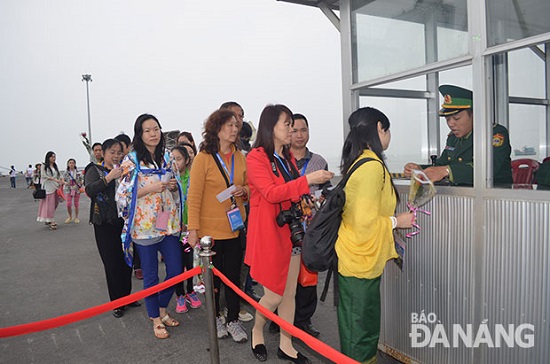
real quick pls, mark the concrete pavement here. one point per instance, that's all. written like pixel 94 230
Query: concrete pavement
pixel 44 274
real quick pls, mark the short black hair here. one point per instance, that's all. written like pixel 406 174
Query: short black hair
pixel 107 144
pixel 96 144
pixel 246 131
pixel 228 104
pixel 300 116
pixel 124 139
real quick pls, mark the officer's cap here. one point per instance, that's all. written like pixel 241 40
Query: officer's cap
pixel 455 99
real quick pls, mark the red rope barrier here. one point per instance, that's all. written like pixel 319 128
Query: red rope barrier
pixel 315 344
pixel 93 311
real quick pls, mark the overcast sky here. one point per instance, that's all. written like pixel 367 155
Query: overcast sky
pixel 176 59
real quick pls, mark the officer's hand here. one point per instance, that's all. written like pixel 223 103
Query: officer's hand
pixel 409 167
pixel 436 173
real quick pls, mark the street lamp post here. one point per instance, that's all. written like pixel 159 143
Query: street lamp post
pixel 88 78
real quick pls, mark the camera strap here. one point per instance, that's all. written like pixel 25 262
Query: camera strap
pixel 282 165
pixel 287 168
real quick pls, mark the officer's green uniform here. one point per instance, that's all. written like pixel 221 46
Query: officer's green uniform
pixel 543 176
pixel 459 152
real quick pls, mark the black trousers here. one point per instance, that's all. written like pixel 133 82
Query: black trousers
pixel 228 260
pixel 306 303
pixel 117 272
pixel 137 260
pixel 187 261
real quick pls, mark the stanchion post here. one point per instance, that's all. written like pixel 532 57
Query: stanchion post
pixel 206 254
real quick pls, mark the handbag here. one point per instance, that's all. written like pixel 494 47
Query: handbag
pixel 307 278
pixel 60 193
pixel 39 193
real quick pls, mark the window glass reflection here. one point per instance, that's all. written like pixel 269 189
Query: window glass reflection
pixel 526 73
pixel 390 36
pixel 527 131
pixel 408 129
pixel 526 110
pixel 509 20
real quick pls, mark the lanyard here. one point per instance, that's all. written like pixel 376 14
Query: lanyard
pixel 186 190
pixel 225 167
pixel 283 164
pixel 303 171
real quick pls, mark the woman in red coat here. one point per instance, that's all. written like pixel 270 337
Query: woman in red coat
pixel 274 260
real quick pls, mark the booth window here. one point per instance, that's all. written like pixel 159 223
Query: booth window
pixel 509 20
pixel 390 36
pixel 521 105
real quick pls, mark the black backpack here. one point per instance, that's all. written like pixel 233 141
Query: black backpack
pixel 318 252
pixel 321 234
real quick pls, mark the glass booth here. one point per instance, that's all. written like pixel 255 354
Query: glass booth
pixel 481 260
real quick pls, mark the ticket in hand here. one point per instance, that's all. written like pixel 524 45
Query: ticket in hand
pixel 225 194
pixel 166 177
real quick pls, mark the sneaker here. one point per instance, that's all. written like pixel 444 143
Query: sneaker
pixel 181 305
pixel 193 300
pixel 245 316
pixel 235 329
pixel 221 328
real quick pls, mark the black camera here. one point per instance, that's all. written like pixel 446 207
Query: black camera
pixel 292 217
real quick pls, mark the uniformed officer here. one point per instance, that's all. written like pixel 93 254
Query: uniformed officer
pixel 456 163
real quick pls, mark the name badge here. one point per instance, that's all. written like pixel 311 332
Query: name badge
pixel 235 219
pixel 162 220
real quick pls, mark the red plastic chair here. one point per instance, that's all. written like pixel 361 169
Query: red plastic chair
pixel 523 171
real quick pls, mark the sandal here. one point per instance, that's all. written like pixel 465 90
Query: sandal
pixel 53 226
pixel 169 321
pixel 160 332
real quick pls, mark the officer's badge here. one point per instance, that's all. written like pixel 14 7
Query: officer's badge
pixel 498 140
pixel 448 100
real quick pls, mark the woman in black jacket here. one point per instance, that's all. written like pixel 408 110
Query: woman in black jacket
pixel 100 182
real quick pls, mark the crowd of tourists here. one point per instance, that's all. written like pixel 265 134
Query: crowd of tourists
pixel 151 203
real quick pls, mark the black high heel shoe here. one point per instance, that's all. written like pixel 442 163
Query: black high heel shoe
pixel 259 351
pixel 300 359
pixel 118 312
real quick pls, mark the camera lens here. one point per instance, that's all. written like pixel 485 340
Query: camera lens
pixel 296 233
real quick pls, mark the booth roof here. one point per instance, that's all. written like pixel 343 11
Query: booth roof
pixel 332 4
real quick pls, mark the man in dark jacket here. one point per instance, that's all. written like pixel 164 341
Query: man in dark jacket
pixel 456 163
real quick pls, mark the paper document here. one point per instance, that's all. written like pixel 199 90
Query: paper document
pixel 225 194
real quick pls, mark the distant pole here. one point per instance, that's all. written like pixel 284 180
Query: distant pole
pixel 88 78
